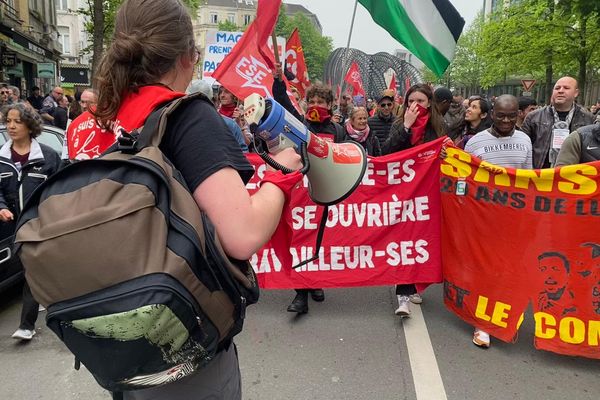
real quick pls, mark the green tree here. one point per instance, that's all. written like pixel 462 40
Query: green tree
pixel 229 26
pixel 541 39
pixel 100 24
pixel 316 47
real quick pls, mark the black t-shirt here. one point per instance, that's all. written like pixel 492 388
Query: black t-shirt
pixel 562 115
pixel 198 143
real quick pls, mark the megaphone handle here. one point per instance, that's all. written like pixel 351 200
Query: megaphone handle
pixel 320 233
pixel 269 160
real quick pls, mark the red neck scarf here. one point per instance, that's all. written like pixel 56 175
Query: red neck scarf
pixel 317 114
pixel 418 128
pixel 136 107
pixel 227 110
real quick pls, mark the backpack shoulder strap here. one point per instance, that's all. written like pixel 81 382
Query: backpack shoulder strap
pixel 155 126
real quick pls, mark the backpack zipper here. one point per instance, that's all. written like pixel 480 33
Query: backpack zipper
pixel 94 301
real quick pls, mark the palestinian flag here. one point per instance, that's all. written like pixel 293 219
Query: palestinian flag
pixel 427 28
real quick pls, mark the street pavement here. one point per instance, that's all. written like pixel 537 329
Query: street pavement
pixel 349 347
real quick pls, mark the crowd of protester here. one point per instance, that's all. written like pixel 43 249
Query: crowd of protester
pixel 560 133
pixel 507 131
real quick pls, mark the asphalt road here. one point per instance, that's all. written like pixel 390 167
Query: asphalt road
pixel 349 347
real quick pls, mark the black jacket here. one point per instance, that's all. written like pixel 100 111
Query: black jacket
pixel 16 186
pixel 381 125
pixel 61 118
pixel 538 126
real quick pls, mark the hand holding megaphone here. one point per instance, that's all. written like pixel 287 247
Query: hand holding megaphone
pixel 289 158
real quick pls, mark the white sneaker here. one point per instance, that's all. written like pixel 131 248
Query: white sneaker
pixel 415 298
pixel 481 339
pixel 23 334
pixel 403 309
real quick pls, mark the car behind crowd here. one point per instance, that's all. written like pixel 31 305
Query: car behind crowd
pixel 11 270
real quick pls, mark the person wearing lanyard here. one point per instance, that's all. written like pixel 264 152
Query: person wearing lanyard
pixel 549 126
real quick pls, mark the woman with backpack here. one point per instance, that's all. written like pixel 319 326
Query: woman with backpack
pixel 151 61
pixel 24 165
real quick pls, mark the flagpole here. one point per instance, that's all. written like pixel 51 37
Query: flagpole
pixel 347 47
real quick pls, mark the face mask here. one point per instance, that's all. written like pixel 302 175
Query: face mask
pixel 317 114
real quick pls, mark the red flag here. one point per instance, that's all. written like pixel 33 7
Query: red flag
pixel 354 79
pixel 247 69
pixel 393 83
pixel 294 57
pixel 406 84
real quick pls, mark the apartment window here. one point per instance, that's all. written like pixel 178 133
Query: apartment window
pixel 64 39
pixel 62 5
pixel 247 19
pixel 214 18
pixel 231 18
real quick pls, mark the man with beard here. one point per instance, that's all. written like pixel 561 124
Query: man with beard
pixel 549 126
pixel 381 122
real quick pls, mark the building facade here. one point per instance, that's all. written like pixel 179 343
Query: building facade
pixel 212 12
pixel 75 67
pixel 29 48
pixel 293 9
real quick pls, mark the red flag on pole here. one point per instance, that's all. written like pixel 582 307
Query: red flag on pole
pixel 393 83
pixel 247 69
pixel 294 57
pixel 354 79
pixel 406 84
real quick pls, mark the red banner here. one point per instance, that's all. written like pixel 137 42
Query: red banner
pixel 354 79
pixel 386 232
pixel 514 237
pixel 247 69
pixel 294 57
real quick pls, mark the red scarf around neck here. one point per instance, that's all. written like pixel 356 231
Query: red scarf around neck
pixel 227 110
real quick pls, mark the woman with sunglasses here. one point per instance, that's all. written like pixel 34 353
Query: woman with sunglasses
pixel 477 119
pixel 419 123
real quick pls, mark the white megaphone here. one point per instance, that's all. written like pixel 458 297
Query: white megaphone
pixel 334 169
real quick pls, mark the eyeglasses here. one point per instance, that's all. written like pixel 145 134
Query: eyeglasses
pixel 4 92
pixel 385 105
pixel 501 116
pixel 61 93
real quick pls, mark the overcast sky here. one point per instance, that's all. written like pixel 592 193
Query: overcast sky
pixel 335 17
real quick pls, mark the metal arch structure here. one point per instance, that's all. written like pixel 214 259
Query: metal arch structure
pixel 372 68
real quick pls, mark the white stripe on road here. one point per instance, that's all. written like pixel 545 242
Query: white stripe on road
pixel 425 371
